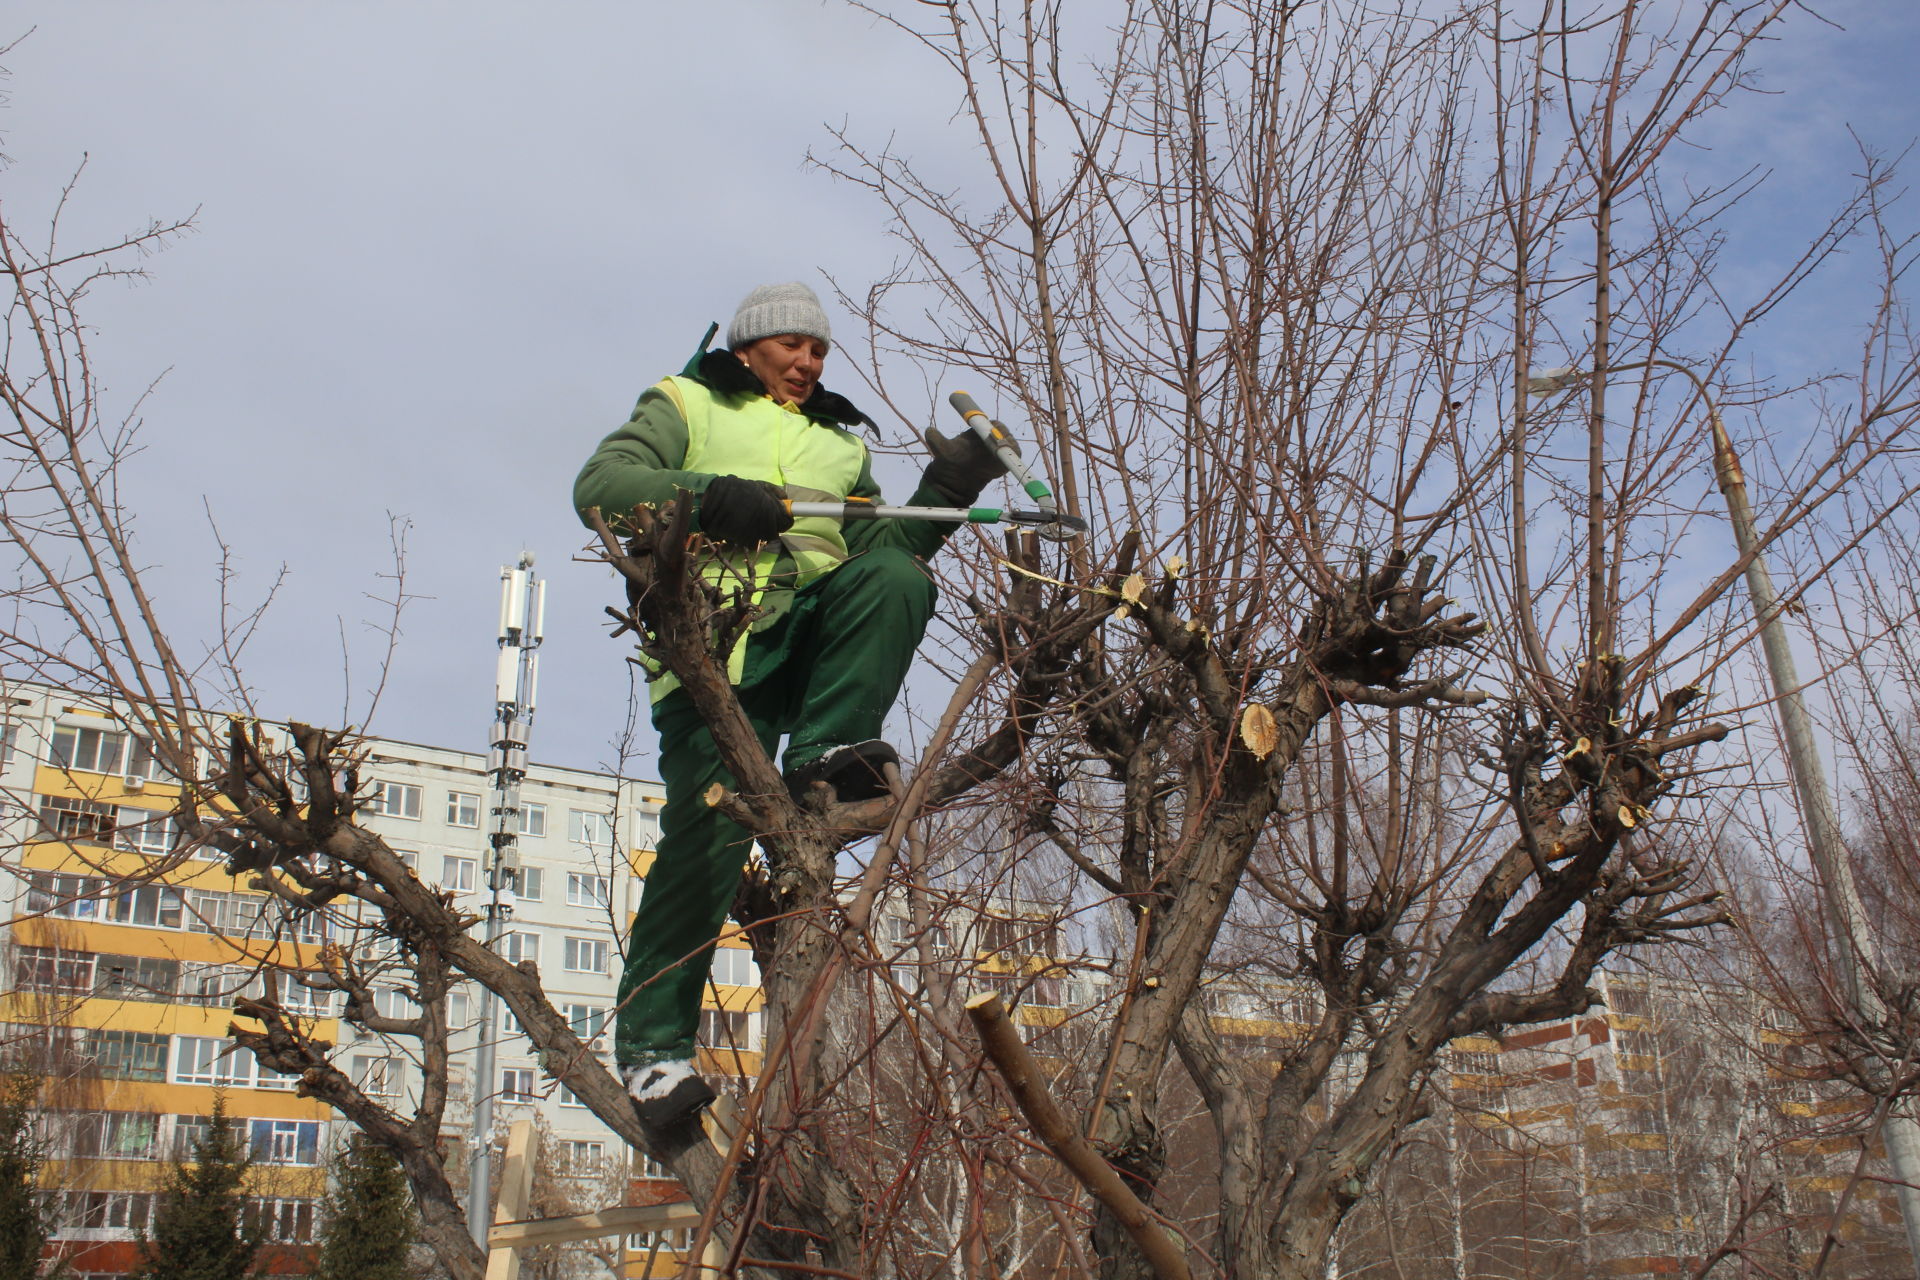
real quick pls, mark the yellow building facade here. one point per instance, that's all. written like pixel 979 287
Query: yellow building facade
pixel 125 951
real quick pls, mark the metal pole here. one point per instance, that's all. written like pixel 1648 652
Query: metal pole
pixel 1846 915
pixel 522 619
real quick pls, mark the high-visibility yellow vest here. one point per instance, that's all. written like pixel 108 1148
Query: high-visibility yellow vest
pixel 757 439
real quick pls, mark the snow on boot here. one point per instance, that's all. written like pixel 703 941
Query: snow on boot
pixel 667 1094
pixel 854 772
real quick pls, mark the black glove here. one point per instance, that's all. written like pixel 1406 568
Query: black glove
pixel 962 465
pixel 743 512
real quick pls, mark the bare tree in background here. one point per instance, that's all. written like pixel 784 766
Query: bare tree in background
pixel 1268 283
pixel 1846 999
pixel 1874 717
pixel 279 802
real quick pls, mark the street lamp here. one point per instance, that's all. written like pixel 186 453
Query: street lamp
pixel 1846 916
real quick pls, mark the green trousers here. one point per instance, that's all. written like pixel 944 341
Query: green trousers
pixel 825 675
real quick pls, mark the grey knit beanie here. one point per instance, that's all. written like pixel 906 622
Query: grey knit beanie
pixel 778 308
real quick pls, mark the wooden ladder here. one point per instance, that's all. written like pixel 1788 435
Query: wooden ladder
pixel 513 1231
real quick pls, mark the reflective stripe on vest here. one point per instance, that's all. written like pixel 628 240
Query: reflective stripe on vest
pixel 756 439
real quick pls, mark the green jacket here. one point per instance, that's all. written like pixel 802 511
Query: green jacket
pixel 641 464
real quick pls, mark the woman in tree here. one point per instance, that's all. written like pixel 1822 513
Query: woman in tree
pixel 745 431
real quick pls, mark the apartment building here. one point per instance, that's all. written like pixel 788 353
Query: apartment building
pixel 120 980
pixel 1634 1140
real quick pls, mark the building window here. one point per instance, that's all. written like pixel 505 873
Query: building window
pixel 395 1002
pixel 284 1141
pixel 586 826
pixel 296 997
pixel 39 1049
pixel 392 800
pixel 459 1008
pixel 1040 992
pixel 225 915
pixel 74 820
pixel 525 883
pixel 284 1221
pixel 463 809
pixel 568 1098
pixel 583 1155
pixel 376 1076
pixel 69 897
pixel 586 1020
pixel 144 831
pixel 130 1055
pixel 646 828
pixel 519 946
pixel 9 737
pixel 139 977
pixel 1484 1066
pixel 457 874
pixel 100 751
pixel 148 904
pixel 189 1133
pixel 516 1084
pixel 114 1211
pixel 284 1082
pixel 734 967
pixel 675 1238
pixel 533 819
pixel 901 932
pixel 728 1029
pixel 587 955
pixel 587 890
pixel 212 984
pixel 115 1135
pixel 53 972
pixel 239 915
pixel 94 898
pixel 203 1060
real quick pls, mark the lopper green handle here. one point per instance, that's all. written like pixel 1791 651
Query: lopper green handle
pixel 1050 524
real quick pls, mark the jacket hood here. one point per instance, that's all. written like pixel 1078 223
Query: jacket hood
pixel 723 373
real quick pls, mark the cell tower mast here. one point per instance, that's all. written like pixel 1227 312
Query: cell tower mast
pixel 523 609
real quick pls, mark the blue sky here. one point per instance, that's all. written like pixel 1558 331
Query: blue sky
pixel 441 247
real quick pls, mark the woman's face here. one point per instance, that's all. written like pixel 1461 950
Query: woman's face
pixel 787 364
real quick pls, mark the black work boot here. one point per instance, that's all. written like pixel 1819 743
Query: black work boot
pixel 667 1095
pixel 854 772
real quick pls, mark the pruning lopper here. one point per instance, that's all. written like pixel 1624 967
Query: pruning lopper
pixel 1048 522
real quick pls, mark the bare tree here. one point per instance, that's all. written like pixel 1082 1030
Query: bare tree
pixel 1842 981
pixel 1270 283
